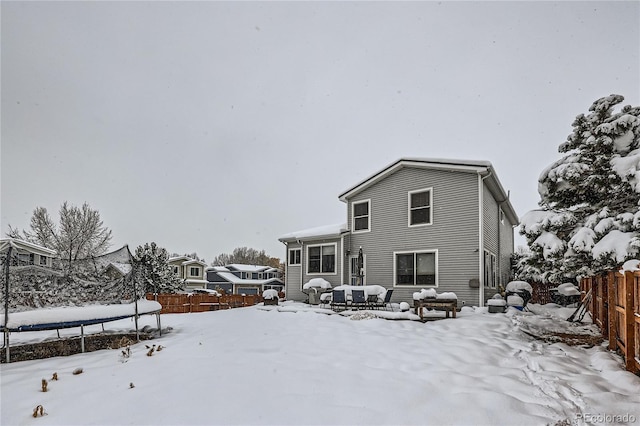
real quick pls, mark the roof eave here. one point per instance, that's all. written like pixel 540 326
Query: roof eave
pixel 441 164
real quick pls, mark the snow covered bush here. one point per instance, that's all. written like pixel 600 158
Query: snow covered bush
pixel 589 216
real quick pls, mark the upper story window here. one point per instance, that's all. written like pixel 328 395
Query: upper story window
pixel 361 216
pixel 501 216
pixel 43 260
pixel 321 259
pixel 420 203
pixel 294 256
pixel 416 268
pixel 194 271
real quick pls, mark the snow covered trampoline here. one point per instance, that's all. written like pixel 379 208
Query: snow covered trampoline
pixel 70 317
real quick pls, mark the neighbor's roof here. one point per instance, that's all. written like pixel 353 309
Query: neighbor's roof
pixel 231 278
pixel 185 260
pixel 483 168
pixel 18 244
pixel 313 233
pixel 247 268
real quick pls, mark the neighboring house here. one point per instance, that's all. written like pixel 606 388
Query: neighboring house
pixel 189 270
pixel 244 279
pixel 25 253
pixel 421 223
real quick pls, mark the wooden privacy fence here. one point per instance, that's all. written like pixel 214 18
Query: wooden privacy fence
pixel 615 309
pixel 185 303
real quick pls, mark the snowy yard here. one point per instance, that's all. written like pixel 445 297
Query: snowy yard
pixel 291 365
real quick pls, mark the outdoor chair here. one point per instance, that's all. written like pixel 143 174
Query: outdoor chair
pixel 387 301
pixel 372 301
pixel 358 299
pixel 338 299
pixel 325 300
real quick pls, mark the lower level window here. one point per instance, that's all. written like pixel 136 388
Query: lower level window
pixel 490 270
pixel 416 268
pixel 322 259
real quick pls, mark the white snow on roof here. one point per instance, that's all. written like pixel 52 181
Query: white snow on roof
pixel 449 161
pixel 247 268
pixel 123 268
pixel 231 278
pixel 335 229
pixel 18 244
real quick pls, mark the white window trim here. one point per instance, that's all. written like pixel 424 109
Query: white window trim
pixel 353 216
pixel 194 267
pixel 289 257
pixel 430 189
pixel 395 276
pixel 335 269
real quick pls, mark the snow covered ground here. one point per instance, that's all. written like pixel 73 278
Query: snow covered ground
pixel 289 365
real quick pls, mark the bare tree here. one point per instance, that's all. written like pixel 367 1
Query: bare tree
pixel 248 256
pixel 79 235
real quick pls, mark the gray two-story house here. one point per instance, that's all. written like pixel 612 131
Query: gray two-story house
pixel 421 223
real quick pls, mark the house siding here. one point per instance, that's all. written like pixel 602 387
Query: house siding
pixel 498 239
pixel 297 276
pixel 455 212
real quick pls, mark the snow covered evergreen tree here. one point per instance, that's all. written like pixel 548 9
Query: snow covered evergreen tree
pixel 589 218
pixel 152 271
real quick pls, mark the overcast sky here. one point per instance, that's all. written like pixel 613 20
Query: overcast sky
pixel 206 126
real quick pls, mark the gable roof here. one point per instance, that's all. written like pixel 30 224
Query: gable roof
pixel 482 168
pixel 22 245
pixel 184 261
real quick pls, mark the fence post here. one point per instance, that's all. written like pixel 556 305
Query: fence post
pixel 629 346
pixel 611 301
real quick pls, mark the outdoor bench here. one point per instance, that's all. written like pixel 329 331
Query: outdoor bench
pixel 447 305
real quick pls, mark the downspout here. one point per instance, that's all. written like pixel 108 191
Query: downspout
pixel 481 237
pixel 342 257
pixel 301 263
pixel 286 268
pixel 499 259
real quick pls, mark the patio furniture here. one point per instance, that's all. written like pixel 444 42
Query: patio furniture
pixel 372 301
pixel 338 299
pixel 358 299
pixel 446 305
pixel 386 303
pixel 325 300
